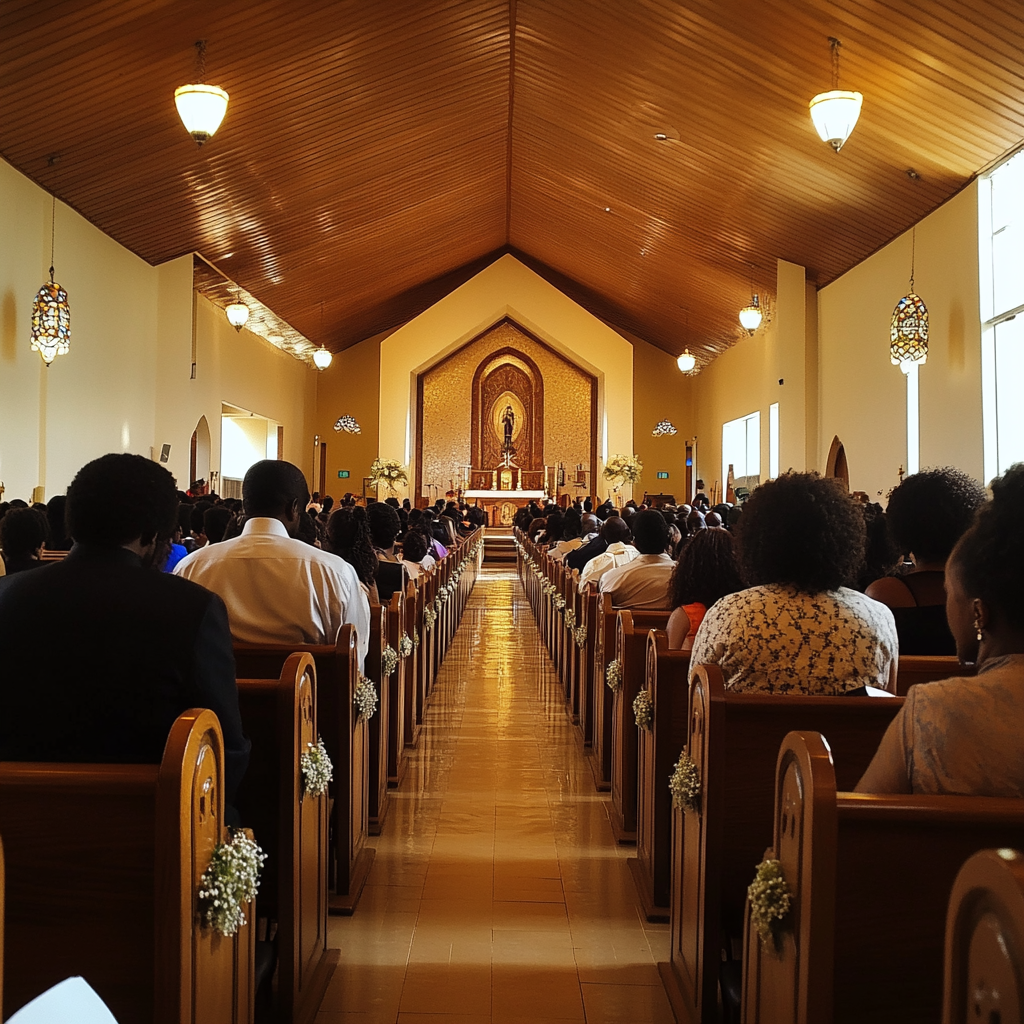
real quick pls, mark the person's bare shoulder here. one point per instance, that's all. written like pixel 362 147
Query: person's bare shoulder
pixel 892 592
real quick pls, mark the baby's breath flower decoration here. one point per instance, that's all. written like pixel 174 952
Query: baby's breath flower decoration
pixel 770 899
pixel 415 636
pixel 560 604
pixel 317 770
pixel 405 646
pixel 229 883
pixel 613 675
pixel 643 709
pixel 388 661
pixel 442 595
pixel 387 473
pixel 684 784
pixel 579 634
pixel 438 601
pixel 570 618
pixel 365 698
pixel 429 618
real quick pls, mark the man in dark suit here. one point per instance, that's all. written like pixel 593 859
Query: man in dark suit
pixel 593 544
pixel 102 651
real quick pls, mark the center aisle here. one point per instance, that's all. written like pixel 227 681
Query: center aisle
pixel 497 894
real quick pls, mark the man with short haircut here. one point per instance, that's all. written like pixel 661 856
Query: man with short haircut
pixel 277 589
pixel 592 546
pixel 102 651
pixel 644 582
pixel 619 550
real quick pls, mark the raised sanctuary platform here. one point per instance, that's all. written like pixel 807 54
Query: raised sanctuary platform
pixel 501 506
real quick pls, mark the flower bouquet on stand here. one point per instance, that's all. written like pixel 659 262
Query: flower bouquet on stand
pixel 387 473
pixel 624 468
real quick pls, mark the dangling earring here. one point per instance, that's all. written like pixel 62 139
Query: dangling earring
pixel 977 626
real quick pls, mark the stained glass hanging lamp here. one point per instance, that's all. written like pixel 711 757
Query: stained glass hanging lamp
pixel 835 113
pixel 908 334
pixel 201 107
pixel 51 314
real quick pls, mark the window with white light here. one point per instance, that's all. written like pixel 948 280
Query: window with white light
pixel 741 449
pixel 773 440
pixel 1001 266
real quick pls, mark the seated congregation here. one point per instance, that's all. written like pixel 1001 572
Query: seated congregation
pixel 203 704
pixel 774 705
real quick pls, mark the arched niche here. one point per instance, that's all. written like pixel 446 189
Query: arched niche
pixel 508 377
pixel 836 465
pixel 199 453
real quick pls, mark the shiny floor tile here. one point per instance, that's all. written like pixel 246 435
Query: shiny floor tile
pixel 498 895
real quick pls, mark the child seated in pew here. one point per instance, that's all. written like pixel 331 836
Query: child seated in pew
pixel 799 628
pixel 963 735
pixel 705 573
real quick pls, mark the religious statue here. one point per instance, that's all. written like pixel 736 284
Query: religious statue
pixel 508 421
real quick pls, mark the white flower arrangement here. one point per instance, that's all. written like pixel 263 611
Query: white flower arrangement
pixel 405 646
pixel 317 770
pixel 387 473
pixel 442 595
pixel 613 675
pixel 438 601
pixel 684 784
pixel 429 618
pixel 388 661
pixel 579 634
pixel 770 900
pixel 229 883
pixel 570 618
pixel 415 636
pixel 626 468
pixel 560 603
pixel 643 709
pixel 365 698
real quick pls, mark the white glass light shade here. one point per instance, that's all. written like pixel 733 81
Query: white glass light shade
pixel 201 109
pixel 237 313
pixel 687 361
pixel 750 316
pixel 322 358
pixel 835 115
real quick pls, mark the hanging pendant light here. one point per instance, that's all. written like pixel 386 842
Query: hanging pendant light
pixel 51 314
pixel 237 314
pixel 687 361
pixel 322 358
pixel 201 107
pixel 835 113
pixel 908 333
pixel 750 316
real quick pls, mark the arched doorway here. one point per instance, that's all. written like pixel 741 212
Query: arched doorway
pixel 836 466
pixel 199 453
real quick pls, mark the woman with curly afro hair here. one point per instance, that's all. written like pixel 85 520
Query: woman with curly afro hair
pixel 927 514
pixel 962 735
pixel 799 628
pixel 706 572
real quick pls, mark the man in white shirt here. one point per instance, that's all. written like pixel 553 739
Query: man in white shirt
pixel 643 582
pixel 277 589
pixel 618 550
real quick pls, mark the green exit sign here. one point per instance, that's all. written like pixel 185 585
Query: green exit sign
pixel 342 474
pixel 663 476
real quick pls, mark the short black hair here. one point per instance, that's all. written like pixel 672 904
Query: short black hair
pixel 117 499
pixel 930 511
pixel 271 487
pixel 414 546
pixel 615 530
pixel 803 530
pixel 22 532
pixel 215 522
pixel 989 557
pixel 650 532
pixel 384 523
pixel 707 570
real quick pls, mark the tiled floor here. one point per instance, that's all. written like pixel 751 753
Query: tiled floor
pixel 497 894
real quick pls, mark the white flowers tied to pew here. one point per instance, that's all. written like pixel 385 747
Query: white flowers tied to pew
pixel 613 675
pixel 365 698
pixel 579 634
pixel 770 900
pixel 684 784
pixel 643 709
pixel 387 473
pixel 429 618
pixel 405 646
pixel 388 661
pixel 317 770
pixel 625 468
pixel 415 636
pixel 229 883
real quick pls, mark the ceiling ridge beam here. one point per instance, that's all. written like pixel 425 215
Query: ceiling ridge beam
pixel 512 14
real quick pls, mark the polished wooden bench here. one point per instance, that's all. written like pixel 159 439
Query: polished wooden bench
pixel 870 878
pixel 280 718
pixel 414 663
pixel 658 748
pixel 346 738
pixel 395 688
pixel 590 683
pixel 378 727
pixel 984 972
pixel 604 655
pixel 103 865
pixel 916 668
pixel 733 738
pixel 631 628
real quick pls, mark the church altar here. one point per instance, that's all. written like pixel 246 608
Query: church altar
pixel 501 506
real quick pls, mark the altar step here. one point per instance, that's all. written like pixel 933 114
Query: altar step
pixel 499 548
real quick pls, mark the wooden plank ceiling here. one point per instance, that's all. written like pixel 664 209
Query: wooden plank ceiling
pixel 377 154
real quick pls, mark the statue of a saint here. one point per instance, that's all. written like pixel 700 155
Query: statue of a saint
pixel 508 421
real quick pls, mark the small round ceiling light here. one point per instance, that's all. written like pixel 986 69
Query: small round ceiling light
pixel 322 358
pixel 237 314
pixel 750 316
pixel 687 362
pixel 835 112
pixel 201 107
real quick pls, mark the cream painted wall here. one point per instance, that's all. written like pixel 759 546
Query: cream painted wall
pixel 350 386
pixel 505 288
pixel 862 396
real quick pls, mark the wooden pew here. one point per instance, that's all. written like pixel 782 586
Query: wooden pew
pixel 346 738
pixel 379 725
pixel 631 653
pixel 734 740
pixel 917 668
pixel 985 941
pixel 414 664
pixel 604 655
pixel 658 748
pixel 280 719
pixel 428 584
pixel 590 683
pixel 103 866
pixel 395 626
pixel 870 878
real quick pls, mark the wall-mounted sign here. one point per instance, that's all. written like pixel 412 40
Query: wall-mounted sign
pixel 342 474
pixel 663 476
